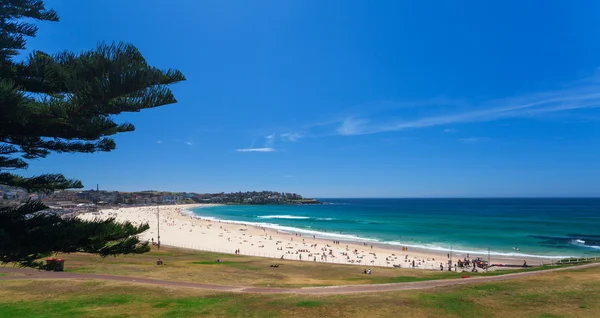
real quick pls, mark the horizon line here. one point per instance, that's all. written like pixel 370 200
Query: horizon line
pixel 325 197
pixel 441 197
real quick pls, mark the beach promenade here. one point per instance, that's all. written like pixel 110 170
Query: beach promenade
pixel 180 228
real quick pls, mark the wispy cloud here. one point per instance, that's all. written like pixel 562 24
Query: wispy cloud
pixel 268 145
pixel 353 126
pixel 269 140
pixel 570 99
pixel 159 141
pixel 291 137
pixel 264 149
pixel 471 139
pixel 442 113
pixel 183 141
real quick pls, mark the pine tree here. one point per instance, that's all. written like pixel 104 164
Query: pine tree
pixel 64 103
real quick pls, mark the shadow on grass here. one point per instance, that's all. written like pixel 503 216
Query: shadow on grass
pixel 309 303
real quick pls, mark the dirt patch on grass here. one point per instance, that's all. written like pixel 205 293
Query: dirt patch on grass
pixel 544 296
pixel 236 270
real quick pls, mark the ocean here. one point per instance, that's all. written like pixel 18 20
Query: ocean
pixel 545 228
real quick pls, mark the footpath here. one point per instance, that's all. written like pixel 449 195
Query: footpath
pixel 31 274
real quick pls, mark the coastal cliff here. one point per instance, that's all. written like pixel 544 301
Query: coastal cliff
pixel 254 198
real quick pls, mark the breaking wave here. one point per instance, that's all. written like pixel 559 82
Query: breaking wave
pixel 289 217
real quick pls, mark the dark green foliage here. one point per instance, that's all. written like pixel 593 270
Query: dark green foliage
pixel 61 103
pixel 26 235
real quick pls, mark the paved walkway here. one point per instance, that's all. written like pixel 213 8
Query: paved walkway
pixel 29 274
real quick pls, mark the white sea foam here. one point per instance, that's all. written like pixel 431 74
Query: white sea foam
pixel 291 217
pixel 210 218
pixel 188 212
pixel 290 229
pixel 477 252
pixel 581 243
pixel 350 237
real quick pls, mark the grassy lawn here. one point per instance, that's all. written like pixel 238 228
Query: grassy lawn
pixel 562 294
pixel 195 266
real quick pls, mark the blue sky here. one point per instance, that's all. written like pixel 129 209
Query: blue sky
pixel 351 98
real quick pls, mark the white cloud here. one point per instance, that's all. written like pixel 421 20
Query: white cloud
pixel 449 130
pixel 264 149
pixel 291 137
pixel 159 141
pixel 268 145
pixel 189 143
pixel 269 140
pixel 471 139
pixel 353 126
pixel 569 99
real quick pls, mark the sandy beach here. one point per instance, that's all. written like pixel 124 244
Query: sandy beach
pixel 179 228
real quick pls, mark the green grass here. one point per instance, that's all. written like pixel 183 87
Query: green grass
pixel 441 275
pixel 190 306
pixel 387 280
pixel 239 265
pixel 213 263
pixel 76 306
pixel 451 303
pixel 558 294
pixel 239 270
pixel 309 303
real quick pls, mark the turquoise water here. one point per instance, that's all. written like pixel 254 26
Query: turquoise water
pixel 537 227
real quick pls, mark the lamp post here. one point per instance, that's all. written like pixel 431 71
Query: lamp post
pixel 450 260
pixel 158 224
pixel 488 264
